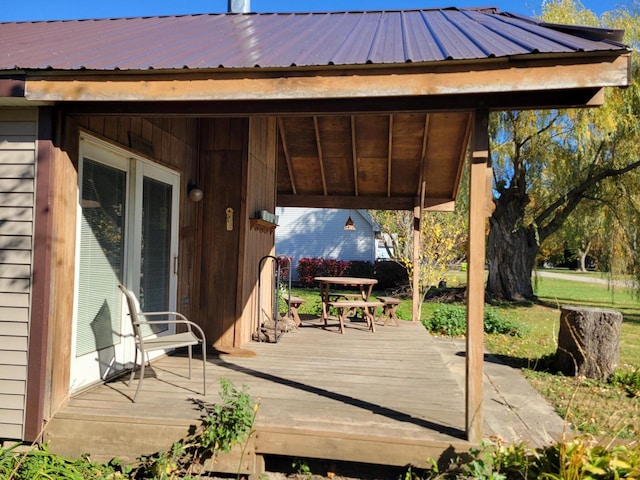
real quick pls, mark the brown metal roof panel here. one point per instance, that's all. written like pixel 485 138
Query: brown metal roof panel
pixel 454 42
pixel 310 40
pixel 536 37
pixel 283 40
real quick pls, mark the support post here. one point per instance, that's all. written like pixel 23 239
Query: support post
pixel 417 217
pixel 475 276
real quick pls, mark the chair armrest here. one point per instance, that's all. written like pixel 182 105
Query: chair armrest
pixel 183 321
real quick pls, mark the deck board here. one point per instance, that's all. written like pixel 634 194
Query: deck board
pixel 390 397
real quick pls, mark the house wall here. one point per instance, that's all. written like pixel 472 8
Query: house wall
pixel 259 240
pixel 223 168
pixel 173 144
pixel 18 134
pixel 319 232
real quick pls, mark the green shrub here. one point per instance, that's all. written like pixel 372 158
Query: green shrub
pixel 38 463
pixel 390 275
pixel 448 320
pixel 567 460
pixel 359 268
pixel 627 379
pixel 451 321
pixel 496 323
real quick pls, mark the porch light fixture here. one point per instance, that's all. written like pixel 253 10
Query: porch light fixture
pixel 195 193
pixel 349 225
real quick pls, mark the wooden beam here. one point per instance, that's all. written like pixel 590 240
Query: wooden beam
pixel 489 76
pixel 417 246
pixel 423 157
pixel 319 148
pixel 353 202
pixel 463 155
pixel 287 158
pixel 389 155
pixel 354 155
pixel 582 97
pixel 475 277
pixel 43 243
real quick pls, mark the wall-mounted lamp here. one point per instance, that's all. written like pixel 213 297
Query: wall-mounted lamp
pixel 195 193
pixel 349 224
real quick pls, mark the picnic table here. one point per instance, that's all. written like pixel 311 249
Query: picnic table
pixel 345 303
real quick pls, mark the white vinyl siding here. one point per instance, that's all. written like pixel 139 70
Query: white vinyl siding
pixel 319 232
pixel 18 133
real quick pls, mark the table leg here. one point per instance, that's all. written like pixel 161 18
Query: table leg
pixel 371 317
pixel 324 297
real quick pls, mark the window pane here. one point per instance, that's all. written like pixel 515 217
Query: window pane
pixel 155 264
pixel 101 256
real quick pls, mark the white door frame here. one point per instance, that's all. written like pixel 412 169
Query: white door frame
pixel 92 367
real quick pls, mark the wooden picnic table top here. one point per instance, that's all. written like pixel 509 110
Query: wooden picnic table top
pixel 347 280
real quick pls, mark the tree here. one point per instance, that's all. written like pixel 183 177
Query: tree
pixel 547 162
pixel 442 240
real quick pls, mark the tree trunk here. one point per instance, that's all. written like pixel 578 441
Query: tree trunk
pixel 511 253
pixel 582 261
pixel 588 342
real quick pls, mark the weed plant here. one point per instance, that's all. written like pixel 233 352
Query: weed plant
pixel 451 320
pixel 223 425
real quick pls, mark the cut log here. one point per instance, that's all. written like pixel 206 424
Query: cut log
pixel 588 342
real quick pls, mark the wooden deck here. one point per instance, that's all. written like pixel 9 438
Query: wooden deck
pixel 394 397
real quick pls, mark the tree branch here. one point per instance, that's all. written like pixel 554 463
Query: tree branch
pixel 571 200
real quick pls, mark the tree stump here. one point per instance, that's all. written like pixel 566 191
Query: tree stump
pixel 588 342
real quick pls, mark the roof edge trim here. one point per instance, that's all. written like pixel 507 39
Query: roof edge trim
pixel 13 86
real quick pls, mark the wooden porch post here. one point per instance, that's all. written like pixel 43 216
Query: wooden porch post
pixel 417 217
pixel 475 276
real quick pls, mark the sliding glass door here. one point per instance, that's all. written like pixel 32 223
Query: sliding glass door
pixel 128 219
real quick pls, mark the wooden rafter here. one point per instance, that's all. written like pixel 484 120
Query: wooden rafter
pixel 320 159
pixel 422 182
pixel 463 154
pixel 389 154
pixel 283 138
pixel 354 154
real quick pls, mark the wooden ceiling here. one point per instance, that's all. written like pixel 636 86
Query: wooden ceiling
pixel 380 161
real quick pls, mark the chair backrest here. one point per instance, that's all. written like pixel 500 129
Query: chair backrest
pixel 134 309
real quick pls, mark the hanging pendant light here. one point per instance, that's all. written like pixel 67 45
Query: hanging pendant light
pixel 349 224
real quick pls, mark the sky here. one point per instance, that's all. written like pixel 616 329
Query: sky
pixel 29 10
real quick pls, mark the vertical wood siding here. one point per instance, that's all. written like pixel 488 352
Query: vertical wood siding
pixel 18 133
pixel 260 195
pixel 174 145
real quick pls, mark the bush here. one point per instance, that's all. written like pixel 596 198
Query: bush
pixel 390 274
pixel 360 268
pixel 448 320
pixel 334 268
pixel 451 321
pixel 308 268
pixel 496 323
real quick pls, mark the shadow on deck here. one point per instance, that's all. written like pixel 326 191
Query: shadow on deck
pixel 394 397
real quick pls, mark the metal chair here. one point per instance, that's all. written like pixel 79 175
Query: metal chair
pixel 165 342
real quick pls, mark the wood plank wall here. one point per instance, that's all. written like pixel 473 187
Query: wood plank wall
pixel 18 133
pixel 173 143
pixel 222 172
pixel 260 195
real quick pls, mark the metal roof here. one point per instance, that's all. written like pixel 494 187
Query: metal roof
pixel 270 40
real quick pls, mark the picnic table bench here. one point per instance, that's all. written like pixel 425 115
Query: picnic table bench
pixel 346 307
pixel 389 310
pixel 294 304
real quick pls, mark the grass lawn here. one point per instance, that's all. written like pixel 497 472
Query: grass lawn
pixel 602 409
pixel 597 408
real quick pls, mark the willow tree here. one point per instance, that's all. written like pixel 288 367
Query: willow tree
pixel 547 162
